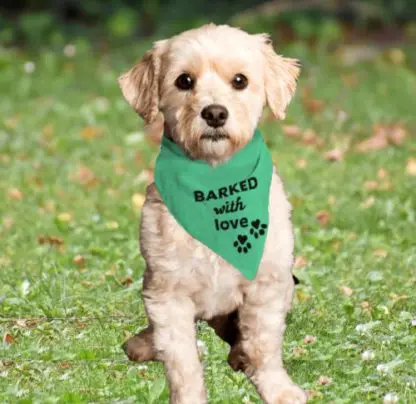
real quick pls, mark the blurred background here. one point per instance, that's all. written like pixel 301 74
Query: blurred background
pixel 55 22
pixel 75 160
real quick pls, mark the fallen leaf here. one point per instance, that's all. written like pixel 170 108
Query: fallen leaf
pixel 90 132
pixel 397 134
pixel 8 339
pixel 324 380
pixel 313 105
pixel 310 138
pixel 137 201
pixel 64 217
pixel 292 131
pixel 382 173
pixel 334 155
pixel 52 240
pixel 15 193
pixel 8 222
pixel 301 163
pixel 411 166
pixel 376 142
pixel 88 284
pixel 127 282
pixel 323 217
pixel 300 262
pixel 298 351
pixel 309 339
pixel 380 252
pixel 346 290
pixel 368 202
pixel 48 131
pixel 365 306
pixel 79 260
pixel 112 225
pixel 84 176
pixel 332 200
pixel 371 185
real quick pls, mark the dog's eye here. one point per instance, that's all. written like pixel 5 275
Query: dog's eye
pixel 239 82
pixel 185 82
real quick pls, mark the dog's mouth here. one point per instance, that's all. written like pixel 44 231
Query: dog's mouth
pixel 215 137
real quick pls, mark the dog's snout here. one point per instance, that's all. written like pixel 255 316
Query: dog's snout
pixel 215 115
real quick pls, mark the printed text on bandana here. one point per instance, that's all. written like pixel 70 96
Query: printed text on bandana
pixel 231 200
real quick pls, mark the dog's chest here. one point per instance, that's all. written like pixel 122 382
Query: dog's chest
pixel 187 267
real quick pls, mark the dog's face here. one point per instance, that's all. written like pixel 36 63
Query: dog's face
pixel 211 85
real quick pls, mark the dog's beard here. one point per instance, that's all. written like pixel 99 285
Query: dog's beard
pixel 201 142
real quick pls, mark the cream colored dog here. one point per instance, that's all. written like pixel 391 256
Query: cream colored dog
pixel 211 85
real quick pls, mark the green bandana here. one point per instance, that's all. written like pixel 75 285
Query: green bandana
pixel 224 207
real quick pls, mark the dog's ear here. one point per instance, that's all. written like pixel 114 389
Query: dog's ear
pixel 280 77
pixel 140 85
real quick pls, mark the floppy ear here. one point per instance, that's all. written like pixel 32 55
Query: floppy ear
pixel 280 78
pixel 140 85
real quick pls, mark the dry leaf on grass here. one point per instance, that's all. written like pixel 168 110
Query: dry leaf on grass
pixel 411 166
pixel 64 217
pixel 90 132
pixel 8 339
pixel 324 380
pixel 300 262
pixel 323 217
pixel 382 173
pixel 51 240
pixel 313 105
pixel 310 138
pixel 137 201
pixel 380 252
pixel 127 282
pixel 377 142
pixel 301 163
pixel 15 193
pixel 368 202
pixel 84 176
pixel 383 135
pixel 309 339
pixel 345 290
pixel 336 154
pixel 79 260
pixel 371 185
pixel 292 131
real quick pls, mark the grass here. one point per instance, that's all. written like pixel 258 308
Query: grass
pixel 72 158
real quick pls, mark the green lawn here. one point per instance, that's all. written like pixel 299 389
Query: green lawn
pixel 72 172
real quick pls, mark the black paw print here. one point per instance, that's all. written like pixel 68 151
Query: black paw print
pixel 258 228
pixel 242 245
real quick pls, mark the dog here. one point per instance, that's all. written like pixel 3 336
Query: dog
pixel 234 75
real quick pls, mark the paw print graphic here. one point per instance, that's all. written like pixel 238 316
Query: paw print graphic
pixel 258 228
pixel 241 244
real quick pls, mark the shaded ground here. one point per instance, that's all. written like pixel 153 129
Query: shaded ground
pixel 73 167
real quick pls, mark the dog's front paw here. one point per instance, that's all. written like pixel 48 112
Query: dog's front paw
pixel 291 394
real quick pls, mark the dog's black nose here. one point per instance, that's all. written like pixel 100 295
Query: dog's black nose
pixel 215 115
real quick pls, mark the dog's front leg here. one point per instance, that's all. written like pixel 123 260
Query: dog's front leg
pixel 262 324
pixel 174 342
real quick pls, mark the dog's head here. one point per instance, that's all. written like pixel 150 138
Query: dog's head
pixel 211 85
